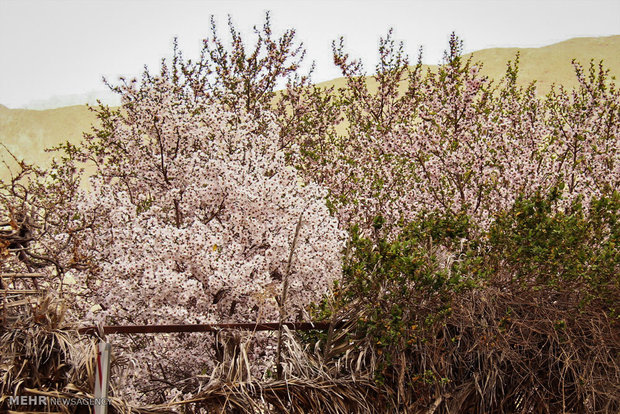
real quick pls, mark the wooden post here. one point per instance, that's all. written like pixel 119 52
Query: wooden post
pixel 102 377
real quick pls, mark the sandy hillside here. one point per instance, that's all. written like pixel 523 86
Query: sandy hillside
pixel 28 132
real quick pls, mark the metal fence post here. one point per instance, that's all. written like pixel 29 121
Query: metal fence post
pixel 102 377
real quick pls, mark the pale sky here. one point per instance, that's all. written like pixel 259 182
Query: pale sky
pixel 62 47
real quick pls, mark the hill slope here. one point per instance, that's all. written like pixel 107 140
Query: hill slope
pixel 546 65
pixel 28 132
pixel 552 64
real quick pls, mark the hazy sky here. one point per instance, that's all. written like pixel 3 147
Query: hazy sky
pixel 60 47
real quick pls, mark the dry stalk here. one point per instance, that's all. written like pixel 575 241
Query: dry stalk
pixel 283 299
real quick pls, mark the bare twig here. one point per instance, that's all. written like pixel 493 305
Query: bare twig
pixel 283 300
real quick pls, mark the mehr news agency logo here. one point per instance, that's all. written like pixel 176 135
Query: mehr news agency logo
pixel 100 402
pixel 38 400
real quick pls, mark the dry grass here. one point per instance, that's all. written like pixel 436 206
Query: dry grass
pixel 310 384
pixel 501 350
pixel 507 350
pixel 42 355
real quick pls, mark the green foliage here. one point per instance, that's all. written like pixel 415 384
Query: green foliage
pixel 575 249
pixel 408 288
pixel 425 265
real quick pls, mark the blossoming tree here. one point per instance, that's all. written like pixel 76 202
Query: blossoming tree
pixel 192 215
pixel 201 221
pixel 212 193
pixel 452 140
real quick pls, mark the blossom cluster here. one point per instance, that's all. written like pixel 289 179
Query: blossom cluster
pixel 211 193
pixel 200 220
pixel 452 140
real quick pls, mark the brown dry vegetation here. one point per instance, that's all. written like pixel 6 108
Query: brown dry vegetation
pixel 529 336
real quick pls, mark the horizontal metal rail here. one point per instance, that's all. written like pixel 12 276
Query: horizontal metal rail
pixel 19 291
pixel 215 327
pixel 20 275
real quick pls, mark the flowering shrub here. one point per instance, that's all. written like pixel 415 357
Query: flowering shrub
pixel 193 216
pixel 200 221
pixel 451 140
pixel 470 320
pixel 216 199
